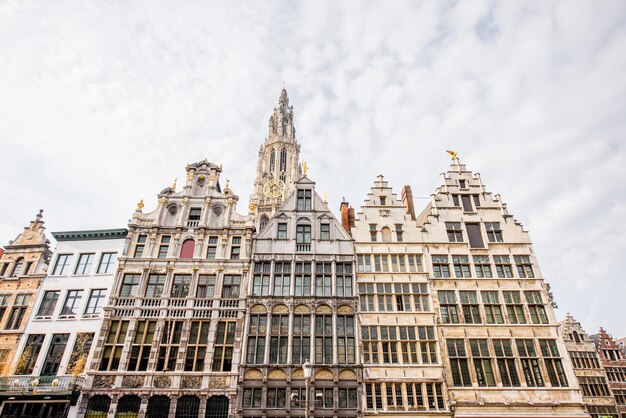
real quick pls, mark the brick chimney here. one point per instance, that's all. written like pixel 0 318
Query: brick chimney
pixel 347 216
pixel 407 201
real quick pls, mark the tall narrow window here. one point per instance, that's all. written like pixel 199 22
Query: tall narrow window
pixel 230 286
pixel 303 279
pixel 84 264
pixel 482 362
pixel 114 345
pixel 180 286
pixel 535 307
pixel 196 346
pixel 272 161
pixel 18 311
pixel 3 269
pixel 170 343
pixel 95 302
pixel 469 305
pixel 324 339
pixel 475 236
pixel 343 278
pixel 301 345
pixel 235 248
pixel 373 232
pixel 206 286
pixel 494 233
pixel 211 249
pixel 503 266
pixel 482 266
pixel 223 349
pixel 514 307
pixel 279 339
pixel 552 360
pixel 48 303
pixel 187 249
pixel 385 233
pixel 441 268
pixel 256 339
pixel 493 310
pixel 461 266
pixel 282 278
pixel 130 285
pixel 63 261
pixel 524 266
pixel 107 261
pixel 530 362
pixel 345 340
pixel 264 221
pixel 141 346
pixel 261 279
pixel 323 280
pixel 4 302
pixel 467 203
pixel 154 288
pixel 455 233
pixel 55 353
pixel 17 268
pixel 164 247
pixel 325 232
pixel 72 302
pixel 506 363
pixel 140 246
pixel 447 305
pixel 458 363
pixel 399 232
pixel 282 231
pixel 304 200
pixel 30 354
pixel 283 160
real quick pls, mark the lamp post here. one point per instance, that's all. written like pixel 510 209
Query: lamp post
pixel 307 368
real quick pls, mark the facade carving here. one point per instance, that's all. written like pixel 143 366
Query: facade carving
pixel 174 319
pixel 302 306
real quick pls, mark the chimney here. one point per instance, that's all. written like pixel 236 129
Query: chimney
pixel 347 215
pixel 407 201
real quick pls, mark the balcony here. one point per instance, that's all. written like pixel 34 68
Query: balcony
pixel 38 384
pixel 192 223
pixel 303 248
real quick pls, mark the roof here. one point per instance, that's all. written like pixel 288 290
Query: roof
pixel 91 235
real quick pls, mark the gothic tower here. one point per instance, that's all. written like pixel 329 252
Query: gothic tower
pixel 278 166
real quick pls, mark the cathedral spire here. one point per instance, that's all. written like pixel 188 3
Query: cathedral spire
pixel 281 122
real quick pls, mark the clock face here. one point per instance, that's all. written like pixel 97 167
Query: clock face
pixel 273 188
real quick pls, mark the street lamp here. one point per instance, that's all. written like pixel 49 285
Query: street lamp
pixel 307 368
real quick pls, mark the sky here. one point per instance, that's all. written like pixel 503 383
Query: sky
pixel 103 104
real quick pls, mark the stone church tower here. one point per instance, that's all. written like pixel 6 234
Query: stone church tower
pixel 278 167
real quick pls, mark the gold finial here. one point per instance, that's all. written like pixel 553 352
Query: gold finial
pixel 325 199
pixel 174 185
pixel 251 207
pixel 453 154
pixel 227 183
pixel 304 167
pixel 139 205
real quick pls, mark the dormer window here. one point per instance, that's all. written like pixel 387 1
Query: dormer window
pixel 325 232
pixel 462 184
pixel 383 200
pixel 303 234
pixel 304 200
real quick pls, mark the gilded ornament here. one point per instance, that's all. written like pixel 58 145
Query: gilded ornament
pixel 140 205
pixel 453 154
pixel 251 207
pixel 273 188
pixel 304 167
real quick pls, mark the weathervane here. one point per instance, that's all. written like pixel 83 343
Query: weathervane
pixel 453 154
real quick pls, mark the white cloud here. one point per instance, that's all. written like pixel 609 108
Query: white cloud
pixel 104 103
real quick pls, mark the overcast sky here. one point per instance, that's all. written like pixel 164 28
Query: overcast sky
pixel 103 103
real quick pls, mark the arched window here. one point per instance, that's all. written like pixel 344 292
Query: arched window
pixel 283 178
pixel 17 268
pixel 272 161
pixel 264 221
pixel 128 406
pixel 98 406
pixel 187 406
pixel 188 247
pixel 217 407
pixel 158 407
pixel 283 160
pixel 386 233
